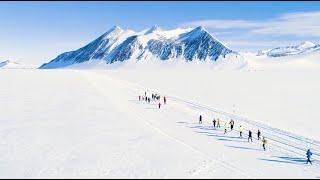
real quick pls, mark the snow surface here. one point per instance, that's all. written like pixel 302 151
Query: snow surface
pixel 300 62
pixel 88 123
pixel 85 120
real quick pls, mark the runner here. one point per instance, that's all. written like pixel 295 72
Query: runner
pixel 264 142
pixel 214 122
pixel 259 133
pixel 225 128
pixel 309 154
pixel 241 130
pixel 250 136
pixel 231 124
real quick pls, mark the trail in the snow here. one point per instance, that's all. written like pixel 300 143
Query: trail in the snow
pixel 280 141
pixel 273 134
pixel 271 146
pixel 139 116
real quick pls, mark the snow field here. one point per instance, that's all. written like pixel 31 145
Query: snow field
pixel 89 123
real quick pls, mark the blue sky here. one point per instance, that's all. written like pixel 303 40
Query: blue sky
pixel 36 32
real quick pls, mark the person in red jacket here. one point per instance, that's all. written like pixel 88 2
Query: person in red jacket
pixel 164 99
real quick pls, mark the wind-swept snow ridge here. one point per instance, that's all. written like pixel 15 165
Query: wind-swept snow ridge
pixel 302 48
pixel 153 29
pixel 14 65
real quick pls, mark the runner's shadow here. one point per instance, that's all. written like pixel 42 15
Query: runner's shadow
pixel 278 161
pixel 288 160
pixel 301 160
pixel 231 140
pixel 151 108
pixel 219 136
pixel 203 127
pixel 136 101
pixel 181 122
pixel 246 148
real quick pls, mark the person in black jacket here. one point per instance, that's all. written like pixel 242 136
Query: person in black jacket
pixel 231 124
pixel 214 122
pixel 250 136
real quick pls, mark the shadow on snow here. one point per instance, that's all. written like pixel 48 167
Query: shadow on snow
pixel 288 160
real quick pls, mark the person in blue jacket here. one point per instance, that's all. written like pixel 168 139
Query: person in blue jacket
pixel 309 154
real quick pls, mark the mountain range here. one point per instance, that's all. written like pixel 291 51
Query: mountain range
pixel 118 45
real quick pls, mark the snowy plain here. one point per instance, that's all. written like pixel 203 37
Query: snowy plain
pixel 82 122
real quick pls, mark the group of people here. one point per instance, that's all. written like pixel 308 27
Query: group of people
pixel 216 123
pixel 154 97
pixel 144 98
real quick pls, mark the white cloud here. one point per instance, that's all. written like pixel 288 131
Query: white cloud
pixel 297 24
pixel 260 44
pixel 222 24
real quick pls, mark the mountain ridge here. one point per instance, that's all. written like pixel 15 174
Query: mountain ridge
pixel 302 48
pixel 122 45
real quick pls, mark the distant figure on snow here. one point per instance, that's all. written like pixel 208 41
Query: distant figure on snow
pixel 164 99
pixel 250 136
pixel 241 130
pixel 218 123
pixel 309 154
pixel 264 142
pixel 259 133
pixel 214 122
pixel 231 124
pixel 159 105
pixel 139 98
pixel 200 119
pixel 225 128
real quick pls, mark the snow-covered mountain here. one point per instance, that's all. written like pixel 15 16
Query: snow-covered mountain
pixel 118 45
pixel 4 63
pixel 304 47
